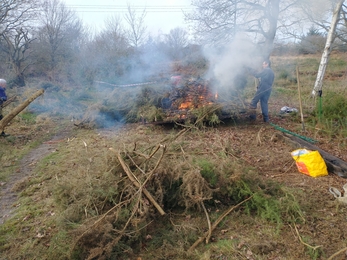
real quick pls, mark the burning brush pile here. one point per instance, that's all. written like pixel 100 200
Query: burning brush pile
pixel 177 99
pixel 190 99
pixel 184 99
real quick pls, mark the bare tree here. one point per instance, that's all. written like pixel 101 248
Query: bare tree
pixel 15 19
pixel 219 20
pixel 107 53
pixel 341 27
pixel 58 36
pixel 15 13
pixel 176 41
pixel 137 32
pixel 313 42
pixel 317 89
pixel 16 47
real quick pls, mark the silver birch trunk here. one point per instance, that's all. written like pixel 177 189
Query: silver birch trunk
pixel 327 49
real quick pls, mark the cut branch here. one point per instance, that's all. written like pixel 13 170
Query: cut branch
pixel 19 108
pixel 136 183
pixel 215 224
pixel 208 222
pixel 8 101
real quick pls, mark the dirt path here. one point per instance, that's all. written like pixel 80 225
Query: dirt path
pixel 8 196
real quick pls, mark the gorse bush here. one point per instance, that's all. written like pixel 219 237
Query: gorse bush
pixel 207 171
pixel 334 106
pixel 269 200
pixel 283 74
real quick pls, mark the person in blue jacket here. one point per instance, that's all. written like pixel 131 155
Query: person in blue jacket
pixel 3 98
pixel 264 88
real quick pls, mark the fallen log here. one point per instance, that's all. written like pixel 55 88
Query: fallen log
pixel 334 164
pixel 4 122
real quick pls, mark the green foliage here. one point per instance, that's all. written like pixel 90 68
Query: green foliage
pixel 314 253
pixel 207 171
pixel 337 63
pixel 331 114
pixel 309 64
pixel 206 114
pixel 150 113
pixel 283 74
pixel 280 91
pixel 28 117
pixel 59 246
pixel 334 106
pixel 269 200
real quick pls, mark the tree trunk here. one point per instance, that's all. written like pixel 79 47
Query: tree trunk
pixel 18 109
pixel 327 49
pixel 272 13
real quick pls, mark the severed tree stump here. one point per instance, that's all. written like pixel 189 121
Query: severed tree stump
pixel 4 122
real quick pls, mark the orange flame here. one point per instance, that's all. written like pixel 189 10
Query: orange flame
pixel 185 105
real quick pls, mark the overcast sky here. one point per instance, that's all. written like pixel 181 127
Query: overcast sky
pixel 162 15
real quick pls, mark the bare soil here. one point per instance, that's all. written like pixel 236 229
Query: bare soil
pixel 9 189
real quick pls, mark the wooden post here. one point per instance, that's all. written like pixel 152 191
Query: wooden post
pixel 18 109
pixel 299 90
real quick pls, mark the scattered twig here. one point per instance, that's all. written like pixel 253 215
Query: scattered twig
pixel 289 167
pixel 215 224
pixel 96 222
pixel 258 135
pixel 147 157
pixel 155 167
pixel 175 136
pixel 302 242
pixel 138 167
pixel 54 141
pixel 137 230
pixel 208 222
pixel 337 253
pixel 153 153
pixel 136 183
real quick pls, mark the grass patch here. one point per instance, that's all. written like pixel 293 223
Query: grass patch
pixel 27 117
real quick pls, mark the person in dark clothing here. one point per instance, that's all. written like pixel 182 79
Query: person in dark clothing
pixel 3 98
pixel 264 88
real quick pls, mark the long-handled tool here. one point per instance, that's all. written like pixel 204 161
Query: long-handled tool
pixel 299 91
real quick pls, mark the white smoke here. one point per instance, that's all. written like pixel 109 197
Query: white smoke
pixel 229 62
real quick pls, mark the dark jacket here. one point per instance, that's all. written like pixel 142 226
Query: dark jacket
pixel 266 76
pixel 3 96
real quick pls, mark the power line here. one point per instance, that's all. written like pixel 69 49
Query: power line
pixel 122 8
pixel 125 6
